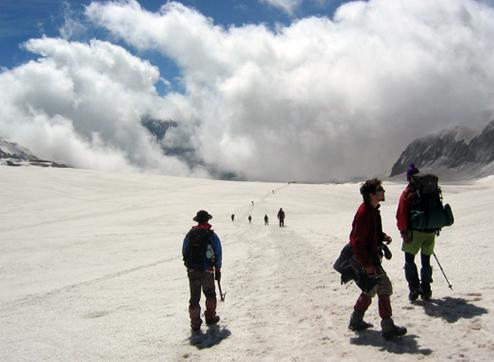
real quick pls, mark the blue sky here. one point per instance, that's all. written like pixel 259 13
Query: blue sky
pixel 21 20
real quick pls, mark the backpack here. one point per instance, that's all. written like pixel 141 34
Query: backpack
pixel 199 253
pixel 427 212
pixel 350 270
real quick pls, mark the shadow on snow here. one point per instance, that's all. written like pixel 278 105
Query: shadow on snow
pixel 400 345
pixel 451 309
pixel 213 336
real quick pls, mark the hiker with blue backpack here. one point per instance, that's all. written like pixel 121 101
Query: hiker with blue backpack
pixel 202 255
pixel 420 216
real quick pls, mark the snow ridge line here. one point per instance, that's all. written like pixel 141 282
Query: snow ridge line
pixel 36 298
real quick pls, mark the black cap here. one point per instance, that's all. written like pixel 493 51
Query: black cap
pixel 202 216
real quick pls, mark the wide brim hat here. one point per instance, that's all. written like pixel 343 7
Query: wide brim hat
pixel 202 216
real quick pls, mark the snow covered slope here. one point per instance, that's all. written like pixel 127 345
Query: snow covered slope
pixel 91 269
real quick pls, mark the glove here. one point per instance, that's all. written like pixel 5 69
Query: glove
pixel 387 252
pixel 406 237
pixel 217 274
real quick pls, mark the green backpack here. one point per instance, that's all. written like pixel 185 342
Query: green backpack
pixel 427 212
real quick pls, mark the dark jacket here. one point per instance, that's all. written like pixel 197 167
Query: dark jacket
pixel 367 236
pixel 216 245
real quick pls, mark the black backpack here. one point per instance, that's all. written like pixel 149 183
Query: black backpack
pixel 350 270
pixel 199 252
pixel 427 212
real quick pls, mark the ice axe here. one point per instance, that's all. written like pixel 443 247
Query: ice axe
pixel 222 296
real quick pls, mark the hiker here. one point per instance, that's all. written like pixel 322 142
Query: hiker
pixel 281 217
pixel 415 240
pixel 266 219
pixel 250 219
pixel 366 239
pixel 202 256
pixel 233 217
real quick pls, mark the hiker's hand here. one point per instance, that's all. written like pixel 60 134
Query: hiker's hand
pixel 217 274
pixel 387 239
pixel 370 270
pixel 405 237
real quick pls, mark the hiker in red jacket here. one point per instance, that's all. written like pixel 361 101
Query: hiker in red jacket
pixel 367 238
pixel 413 242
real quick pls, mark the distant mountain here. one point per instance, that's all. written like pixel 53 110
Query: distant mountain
pixel 156 127
pixel 184 152
pixel 457 150
pixel 11 154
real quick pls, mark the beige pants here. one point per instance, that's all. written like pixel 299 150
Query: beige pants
pixel 383 286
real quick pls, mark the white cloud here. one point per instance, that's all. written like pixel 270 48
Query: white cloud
pixel 318 99
pixel 322 98
pixel 287 6
pixel 82 104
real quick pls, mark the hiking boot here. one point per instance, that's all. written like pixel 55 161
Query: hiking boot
pixel 213 320
pixel 414 293
pixel 357 322
pixel 426 294
pixel 390 330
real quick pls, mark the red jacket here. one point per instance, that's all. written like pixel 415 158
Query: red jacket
pixel 403 210
pixel 367 235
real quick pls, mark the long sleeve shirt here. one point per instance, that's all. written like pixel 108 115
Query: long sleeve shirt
pixel 402 213
pixel 216 245
pixel 367 236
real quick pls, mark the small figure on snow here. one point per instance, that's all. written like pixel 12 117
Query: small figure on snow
pixel 281 217
pixel 250 219
pixel 266 219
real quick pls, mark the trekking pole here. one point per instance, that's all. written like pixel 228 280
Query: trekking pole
pixel 440 267
pixel 222 296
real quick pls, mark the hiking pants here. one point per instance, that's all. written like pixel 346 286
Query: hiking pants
pixel 383 289
pixel 201 280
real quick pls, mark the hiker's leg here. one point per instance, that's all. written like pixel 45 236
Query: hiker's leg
pixel 412 277
pixel 426 276
pixel 426 269
pixel 195 297
pixel 357 322
pixel 384 291
pixel 210 294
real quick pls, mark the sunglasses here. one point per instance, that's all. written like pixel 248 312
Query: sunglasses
pixel 379 189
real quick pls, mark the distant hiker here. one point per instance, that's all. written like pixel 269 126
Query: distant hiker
pixel 366 239
pixel 250 219
pixel 233 217
pixel 420 215
pixel 252 202
pixel 266 219
pixel 202 256
pixel 281 217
